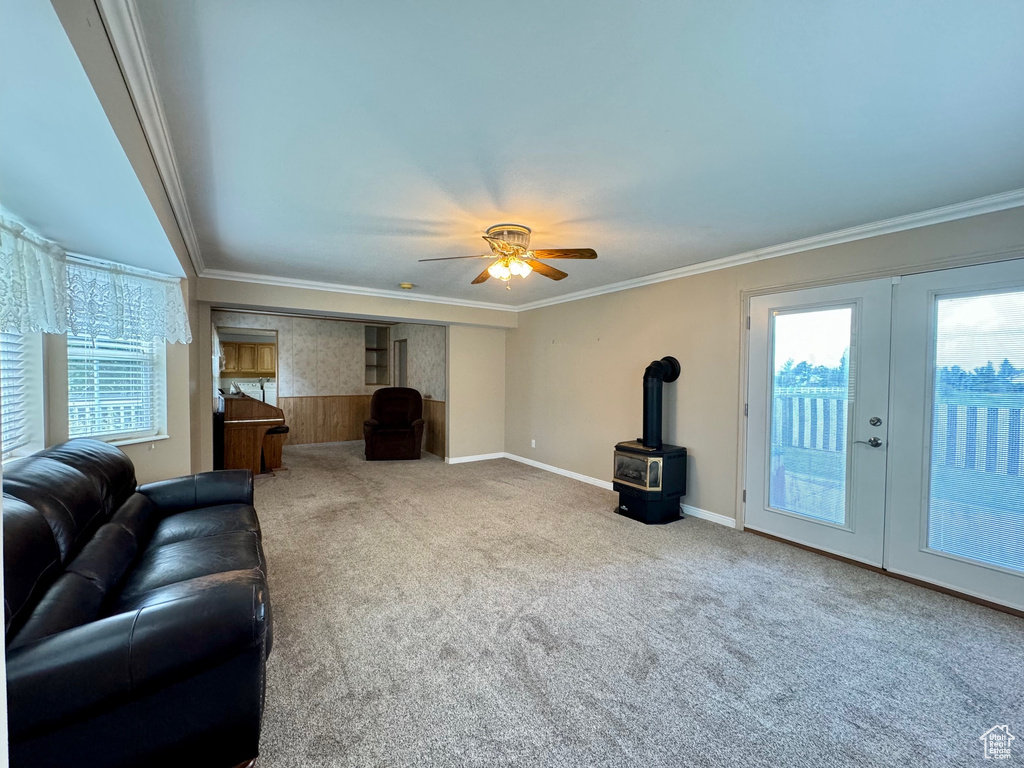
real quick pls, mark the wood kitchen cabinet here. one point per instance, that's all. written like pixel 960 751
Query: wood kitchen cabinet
pixel 266 361
pixel 245 359
pixel 229 352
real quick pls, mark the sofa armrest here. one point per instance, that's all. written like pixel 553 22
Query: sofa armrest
pixel 417 423
pixel 207 489
pixel 371 423
pixel 101 665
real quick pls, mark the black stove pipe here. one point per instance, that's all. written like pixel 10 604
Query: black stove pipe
pixel 658 372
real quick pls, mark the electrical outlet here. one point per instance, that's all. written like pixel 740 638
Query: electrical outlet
pixel 533 443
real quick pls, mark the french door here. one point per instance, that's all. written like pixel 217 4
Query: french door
pixel 818 415
pixel 956 492
pixel 885 424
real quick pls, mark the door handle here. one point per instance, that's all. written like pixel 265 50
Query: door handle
pixel 874 442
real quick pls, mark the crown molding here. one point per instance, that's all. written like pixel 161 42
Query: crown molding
pixel 121 18
pixel 356 290
pixel 978 207
pixel 991 204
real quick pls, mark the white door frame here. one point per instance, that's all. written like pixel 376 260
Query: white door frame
pixel 861 536
pixel 992 258
pixel 907 553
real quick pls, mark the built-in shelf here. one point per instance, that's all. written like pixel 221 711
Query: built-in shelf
pixel 377 368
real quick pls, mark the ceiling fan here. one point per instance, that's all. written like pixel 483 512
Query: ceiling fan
pixel 510 245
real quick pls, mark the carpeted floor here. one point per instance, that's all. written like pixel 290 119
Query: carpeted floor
pixel 493 614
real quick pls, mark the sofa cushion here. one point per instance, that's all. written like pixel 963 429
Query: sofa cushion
pixel 108 467
pixel 210 521
pixel 192 558
pixel 31 560
pixel 138 516
pixel 72 601
pixel 68 500
pixel 253 578
pixel 78 596
pixel 182 589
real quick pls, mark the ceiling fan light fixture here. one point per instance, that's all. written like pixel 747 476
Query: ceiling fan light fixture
pixel 500 271
pixel 519 267
pixel 510 249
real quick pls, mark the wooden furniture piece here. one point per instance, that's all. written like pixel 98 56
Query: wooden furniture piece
pixel 248 359
pixel 246 421
pixel 434 427
pixel 273 447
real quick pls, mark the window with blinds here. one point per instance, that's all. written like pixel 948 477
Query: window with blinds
pixel 13 389
pixel 115 388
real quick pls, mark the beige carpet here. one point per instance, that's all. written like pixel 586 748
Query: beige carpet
pixel 493 614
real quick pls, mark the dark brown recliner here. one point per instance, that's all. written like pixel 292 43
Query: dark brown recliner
pixel 395 427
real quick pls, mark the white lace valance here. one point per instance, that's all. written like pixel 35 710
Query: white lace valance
pixel 42 290
pixel 33 282
pixel 122 303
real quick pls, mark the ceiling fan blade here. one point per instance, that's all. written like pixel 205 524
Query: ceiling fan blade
pixel 547 270
pixel 449 258
pixel 566 253
pixel 481 277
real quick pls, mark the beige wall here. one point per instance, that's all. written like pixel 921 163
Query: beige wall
pixel 476 391
pixel 574 370
pixel 202 393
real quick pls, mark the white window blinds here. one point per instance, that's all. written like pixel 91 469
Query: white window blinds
pixel 14 405
pixel 115 388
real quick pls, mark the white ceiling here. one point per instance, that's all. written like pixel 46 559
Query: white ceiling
pixel 342 141
pixel 62 170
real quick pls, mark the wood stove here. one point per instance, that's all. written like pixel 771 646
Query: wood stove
pixel 649 475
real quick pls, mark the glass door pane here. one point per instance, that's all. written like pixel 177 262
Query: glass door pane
pixel 976 500
pixel 816 451
pixel 810 406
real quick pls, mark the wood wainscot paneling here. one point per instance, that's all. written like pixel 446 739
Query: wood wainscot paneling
pixel 339 418
pixel 329 419
pixel 434 427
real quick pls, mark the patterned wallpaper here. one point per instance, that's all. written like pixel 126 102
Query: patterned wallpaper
pixel 425 357
pixel 327 357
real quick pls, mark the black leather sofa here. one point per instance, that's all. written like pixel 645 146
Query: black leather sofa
pixel 137 620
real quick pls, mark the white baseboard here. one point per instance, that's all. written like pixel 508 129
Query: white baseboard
pixel 478 457
pixel 559 471
pixel 703 514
